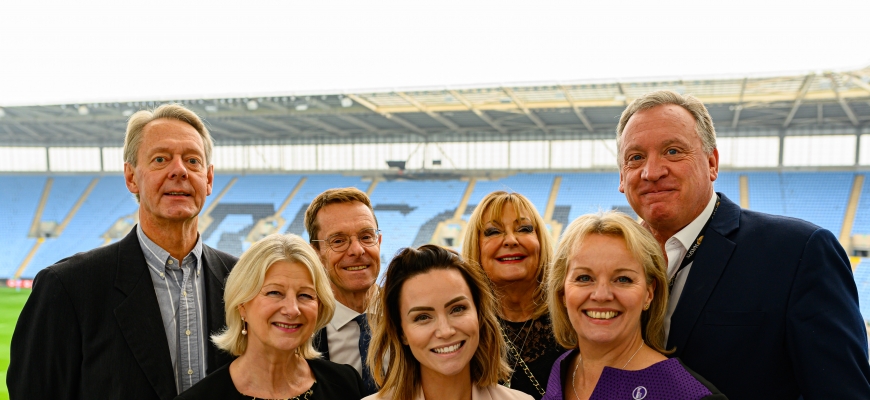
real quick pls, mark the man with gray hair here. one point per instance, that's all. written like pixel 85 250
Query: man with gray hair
pixel 763 306
pixel 132 320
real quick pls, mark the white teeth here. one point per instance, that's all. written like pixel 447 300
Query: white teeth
pixel 602 314
pixel 448 349
pixel 287 326
pixel 358 268
pixel 510 258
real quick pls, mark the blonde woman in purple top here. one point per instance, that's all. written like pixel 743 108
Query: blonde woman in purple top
pixel 607 294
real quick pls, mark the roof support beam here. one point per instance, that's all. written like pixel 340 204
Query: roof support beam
pixel 739 106
pixel 281 126
pixel 391 117
pixel 836 88
pixel 820 113
pixel 622 94
pixel 857 81
pixel 525 109
pixel 805 87
pixel 322 125
pixel 444 121
pixel 358 122
pixel 477 112
pixel 577 110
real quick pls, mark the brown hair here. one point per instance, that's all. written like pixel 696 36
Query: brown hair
pixel 495 203
pixel 400 374
pixel 332 196
pixel 641 244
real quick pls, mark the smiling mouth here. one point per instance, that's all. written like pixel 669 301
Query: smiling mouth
pixel 448 349
pixel 286 326
pixel 177 194
pixel 601 314
pixel 356 268
pixel 511 258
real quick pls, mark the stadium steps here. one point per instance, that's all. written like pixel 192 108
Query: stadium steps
pixel 851 211
pixel 59 229
pixel 205 218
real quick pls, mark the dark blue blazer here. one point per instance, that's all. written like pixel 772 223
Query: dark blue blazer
pixel 92 328
pixel 770 311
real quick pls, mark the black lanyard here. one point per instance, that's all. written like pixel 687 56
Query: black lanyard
pixel 690 255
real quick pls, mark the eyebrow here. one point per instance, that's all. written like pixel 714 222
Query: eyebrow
pixel 447 304
pixel 185 150
pixel 616 270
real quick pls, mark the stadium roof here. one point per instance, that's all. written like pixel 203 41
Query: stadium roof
pixel 815 103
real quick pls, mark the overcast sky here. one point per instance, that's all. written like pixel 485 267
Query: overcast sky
pixel 55 52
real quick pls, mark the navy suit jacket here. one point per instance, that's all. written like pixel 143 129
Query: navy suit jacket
pixel 92 328
pixel 770 311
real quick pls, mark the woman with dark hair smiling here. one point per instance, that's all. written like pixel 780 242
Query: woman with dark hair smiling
pixel 435 334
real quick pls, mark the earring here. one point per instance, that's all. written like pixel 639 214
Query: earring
pixel 646 306
pixel 244 327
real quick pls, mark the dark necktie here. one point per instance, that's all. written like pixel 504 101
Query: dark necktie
pixel 364 338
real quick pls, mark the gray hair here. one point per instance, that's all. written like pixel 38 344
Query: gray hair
pixel 703 121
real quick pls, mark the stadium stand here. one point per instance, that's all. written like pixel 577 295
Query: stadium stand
pixel 408 211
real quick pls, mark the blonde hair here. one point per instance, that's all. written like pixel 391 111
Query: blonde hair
pixel 247 278
pixel 494 203
pixel 703 122
pixel 400 374
pixel 642 246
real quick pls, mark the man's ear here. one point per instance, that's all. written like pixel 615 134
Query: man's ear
pixel 129 178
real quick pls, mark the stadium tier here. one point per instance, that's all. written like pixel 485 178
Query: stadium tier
pixel 48 217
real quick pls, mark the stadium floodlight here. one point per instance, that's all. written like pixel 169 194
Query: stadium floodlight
pixel 252 105
pixel 301 107
pixel 128 112
pixel 83 110
pixel 346 102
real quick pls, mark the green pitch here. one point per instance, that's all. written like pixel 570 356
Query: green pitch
pixel 11 303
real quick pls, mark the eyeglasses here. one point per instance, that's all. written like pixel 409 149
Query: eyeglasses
pixel 341 242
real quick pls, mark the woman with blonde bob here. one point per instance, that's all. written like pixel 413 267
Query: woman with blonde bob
pixel 276 297
pixel 506 237
pixel 608 296
pixel 435 334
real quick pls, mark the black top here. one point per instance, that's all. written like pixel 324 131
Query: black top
pixel 534 340
pixel 333 382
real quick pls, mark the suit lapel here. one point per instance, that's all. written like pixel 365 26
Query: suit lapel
pixel 139 317
pixel 215 280
pixel 712 258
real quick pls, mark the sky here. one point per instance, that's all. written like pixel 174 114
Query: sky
pixel 88 51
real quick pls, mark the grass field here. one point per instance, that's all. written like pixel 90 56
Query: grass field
pixel 11 303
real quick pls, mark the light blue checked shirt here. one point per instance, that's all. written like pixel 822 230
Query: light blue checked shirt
pixel 181 295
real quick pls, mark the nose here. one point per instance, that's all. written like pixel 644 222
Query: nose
pixel 289 307
pixel 177 168
pixel 602 292
pixel 654 169
pixel 355 247
pixel 510 239
pixel 444 329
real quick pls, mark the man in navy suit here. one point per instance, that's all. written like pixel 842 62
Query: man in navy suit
pixel 763 306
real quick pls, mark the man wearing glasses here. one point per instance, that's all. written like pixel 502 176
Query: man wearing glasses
pixel 343 229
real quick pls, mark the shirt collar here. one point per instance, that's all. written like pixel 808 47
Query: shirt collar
pixel 157 256
pixel 688 234
pixel 343 315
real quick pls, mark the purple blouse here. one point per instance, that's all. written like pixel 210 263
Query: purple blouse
pixel 665 380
